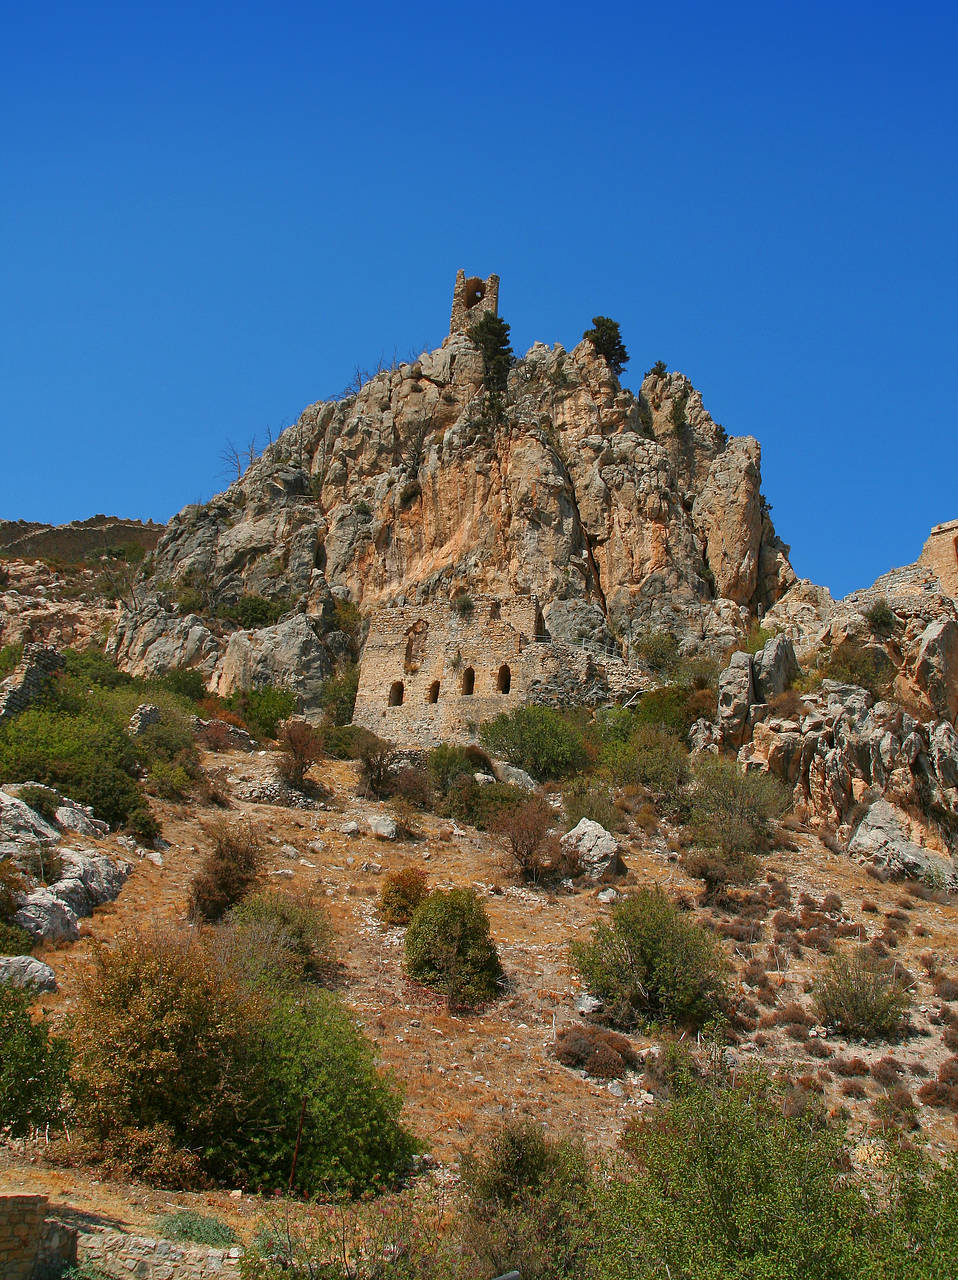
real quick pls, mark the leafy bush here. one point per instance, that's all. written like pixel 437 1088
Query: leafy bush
pixel 198 1228
pixel 657 649
pixel 719 870
pixel 868 667
pixel 378 758
pixel 527 1205
pixel 479 803
pixel 757 637
pixel 401 894
pixel 588 797
pixel 413 787
pixel 674 708
pixel 15 941
pixel 607 340
pixel 33 1066
pixel 595 1050
pixel 731 810
pixel 446 763
pixel 538 739
pixel 658 370
pixel 91 667
pixel 42 800
pixel 263 708
pixel 862 995
pixel 277 939
pixel 229 871
pixel 462 603
pixel 187 1076
pixel 652 962
pixel 10 655
pixel 185 682
pixel 448 946
pixel 252 611
pixel 337 696
pixel 651 757
pixel 881 618
pixel 301 747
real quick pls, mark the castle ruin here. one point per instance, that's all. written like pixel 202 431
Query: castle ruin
pixel 940 555
pixel 471 299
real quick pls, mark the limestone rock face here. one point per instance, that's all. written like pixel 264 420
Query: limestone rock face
pixel 881 839
pixel 290 654
pixel 936 666
pixel 774 668
pixel 620 512
pixel 736 693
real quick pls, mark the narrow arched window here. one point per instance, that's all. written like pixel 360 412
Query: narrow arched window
pixel 433 692
pixel 396 693
pixel 468 682
pixel 504 679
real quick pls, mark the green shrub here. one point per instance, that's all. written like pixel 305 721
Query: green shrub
pixel 527 1205
pixel 302 746
pixel 491 336
pixel 42 800
pixel 171 781
pixel 588 797
pixel 337 696
pixel 540 740
pixel 91 667
pixel 462 603
pixel 187 1076
pixel 448 946
pixel 263 708
pixel 862 995
pixel 197 1228
pixel 402 892
pixel 869 668
pixel 653 962
pixel 279 938
pixel 607 340
pixel 10 655
pixel 378 758
pixel 758 636
pixel 674 708
pixel 33 1066
pixel 15 941
pixel 230 870
pixel 651 757
pixel 251 611
pixel 446 763
pixel 185 682
pixel 881 618
pixel 658 370
pixel 657 649
pixel 731 810
pixel 479 804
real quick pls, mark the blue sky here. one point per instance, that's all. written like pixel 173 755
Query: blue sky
pixel 211 214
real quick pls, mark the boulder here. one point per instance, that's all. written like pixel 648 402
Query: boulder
pixel 47 918
pixel 290 654
pixel 27 971
pixel 19 822
pixel 145 715
pixel 881 839
pixel 100 876
pixel 382 826
pixel 79 818
pixel 515 777
pixel 774 668
pixel 735 696
pixel 597 850
pixel 936 667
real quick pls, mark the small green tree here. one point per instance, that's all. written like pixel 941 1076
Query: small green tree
pixel 491 336
pixel 862 995
pixel 449 946
pixel 607 340
pixel 538 739
pixel 33 1066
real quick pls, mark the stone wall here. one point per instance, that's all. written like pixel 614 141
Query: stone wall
pixel 31 1246
pixel 75 541
pixel 148 1258
pixel 22 688
pixel 471 298
pixel 433 673
pixel 940 553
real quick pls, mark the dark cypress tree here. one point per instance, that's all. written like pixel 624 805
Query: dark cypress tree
pixel 491 336
pixel 607 340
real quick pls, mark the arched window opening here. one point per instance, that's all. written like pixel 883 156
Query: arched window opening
pixel 495 611
pixel 397 692
pixel 504 679
pixel 433 693
pixel 468 682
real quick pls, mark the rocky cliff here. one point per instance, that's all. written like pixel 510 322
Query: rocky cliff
pixel 621 513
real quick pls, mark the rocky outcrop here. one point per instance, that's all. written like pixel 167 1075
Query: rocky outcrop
pixel 27 971
pixel 881 839
pixel 622 513
pixel 594 849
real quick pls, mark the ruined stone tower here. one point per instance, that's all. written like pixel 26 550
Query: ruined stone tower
pixel 471 299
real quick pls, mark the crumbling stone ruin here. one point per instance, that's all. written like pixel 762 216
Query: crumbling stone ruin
pixel 940 554
pixel 28 681
pixel 471 299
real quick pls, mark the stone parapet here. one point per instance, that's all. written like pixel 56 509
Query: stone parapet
pixel 148 1258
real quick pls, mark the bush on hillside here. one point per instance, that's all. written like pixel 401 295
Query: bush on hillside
pixel 301 746
pixel 449 947
pixel 652 963
pixel 650 757
pixel 446 763
pixel 263 708
pixel 15 941
pixel 590 797
pixel 185 682
pixel 230 870
pixel 479 804
pixel 606 337
pixel 10 655
pixel 250 611
pixel 401 894
pixel 526 831
pixel 186 1076
pixel 881 618
pixel 337 696
pixel 33 1066
pixel 540 740
pixel 378 758
pixel 278 939
pixel 734 811
pixel 674 708
pixel 863 995
pixel 196 1228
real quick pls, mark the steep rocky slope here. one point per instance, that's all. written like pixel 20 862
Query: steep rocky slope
pixel 621 513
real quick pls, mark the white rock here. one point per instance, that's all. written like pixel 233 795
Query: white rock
pixel 27 971
pixel 382 826
pixel 349 829
pixel 597 849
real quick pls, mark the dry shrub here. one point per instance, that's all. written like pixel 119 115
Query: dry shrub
pixel 869 906
pixel 277 938
pixel 646 819
pixel 850 1066
pixel 818 1049
pixel 300 746
pixel 786 705
pixel 854 1089
pixel 595 1051
pixel 795 1013
pixel 719 870
pixel 230 870
pixel 414 786
pixel 887 1070
pixel 945 988
pixel 401 894
pixel 832 904
pixel 216 736
pixel 524 830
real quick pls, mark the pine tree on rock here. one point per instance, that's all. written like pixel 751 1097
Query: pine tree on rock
pixel 607 340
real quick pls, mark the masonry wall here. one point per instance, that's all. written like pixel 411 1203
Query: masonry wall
pixel 940 554
pixel 421 653
pixel 30 1246
pixel 147 1258
pixel 472 297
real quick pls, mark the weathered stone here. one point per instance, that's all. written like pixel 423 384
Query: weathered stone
pixel 18 822
pixel 46 917
pixel 596 849
pixel 587 1005
pixel 27 971
pixel 882 840
pixel 735 696
pixel 382 826
pixel 145 715
pixel 505 772
pixel 936 667
pixel 774 668
pixel 289 654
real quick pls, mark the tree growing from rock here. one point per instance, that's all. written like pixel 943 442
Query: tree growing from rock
pixel 607 340
pixel 491 336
